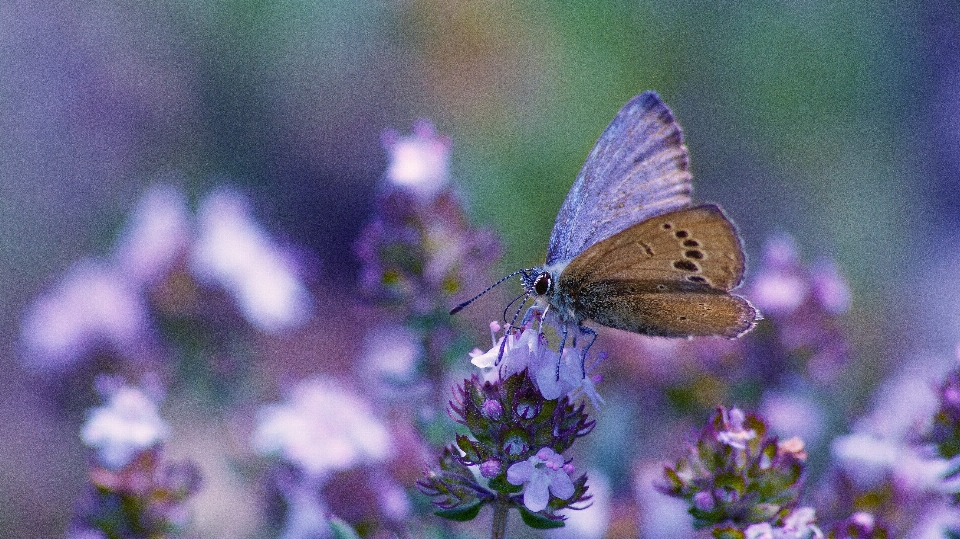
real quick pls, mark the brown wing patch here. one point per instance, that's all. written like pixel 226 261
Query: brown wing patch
pixel 697 245
pixel 666 309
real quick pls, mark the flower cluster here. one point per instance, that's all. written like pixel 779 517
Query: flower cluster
pixel 421 250
pixel 802 306
pixel 159 266
pixel 134 493
pixel 518 439
pixel 945 431
pixel 741 481
pixel 324 429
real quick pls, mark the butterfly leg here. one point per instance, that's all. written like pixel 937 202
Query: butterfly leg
pixel 583 357
pixel 563 342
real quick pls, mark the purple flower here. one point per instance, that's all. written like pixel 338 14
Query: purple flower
pixel 525 348
pixel 93 304
pixel 233 251
pixel 156 235
pixel 733 433
pixel 544 474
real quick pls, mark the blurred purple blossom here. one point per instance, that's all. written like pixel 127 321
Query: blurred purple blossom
pixel 421 249
pixel 322 428
pixel 392 355
pixel 134 492
pixel 233 251
pixel 157 234
pixel 544 474
pixel 94 304
pixel 802 305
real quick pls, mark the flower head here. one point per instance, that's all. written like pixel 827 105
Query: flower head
pixel 125 426
pixel 525 348
pixel 155 236
pixel 93 304
pixel 737 475
pixel 322 428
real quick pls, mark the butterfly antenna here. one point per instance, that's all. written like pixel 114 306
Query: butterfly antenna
pixel 460 307
pixel 505 309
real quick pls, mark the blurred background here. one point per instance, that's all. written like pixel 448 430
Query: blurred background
pixel 835 123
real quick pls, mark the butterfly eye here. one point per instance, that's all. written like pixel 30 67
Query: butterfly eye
pixel 542 285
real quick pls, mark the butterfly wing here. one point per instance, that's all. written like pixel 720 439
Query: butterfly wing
pixel 669 275
pixel 637 169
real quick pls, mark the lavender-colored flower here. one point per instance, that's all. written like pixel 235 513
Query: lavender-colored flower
pixel 392 354
pixel 526 349
pixel 156 235
pixel 751 477
pixel 322 428
pixel 420 249
pixel 801 305
pixel 419 162
pixel 544 474
pixel 127 425
pixel 234 252
pixel 93 304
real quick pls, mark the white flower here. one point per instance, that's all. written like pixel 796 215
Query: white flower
pixel 322 428
pixel 127 425
pixel 93 304
pixel 543 474
pixel 233 251
pixel 419 162
pixel 156 234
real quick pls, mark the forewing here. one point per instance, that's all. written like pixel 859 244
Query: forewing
pixel 696 246
pixel 637 169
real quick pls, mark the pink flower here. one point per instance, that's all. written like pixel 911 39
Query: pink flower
pixel 419 162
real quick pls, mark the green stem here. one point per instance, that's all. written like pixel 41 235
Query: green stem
pixel 501 507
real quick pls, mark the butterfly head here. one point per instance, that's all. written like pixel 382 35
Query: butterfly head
pixel 538 282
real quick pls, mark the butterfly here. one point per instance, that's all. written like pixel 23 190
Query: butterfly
pixel 630 251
